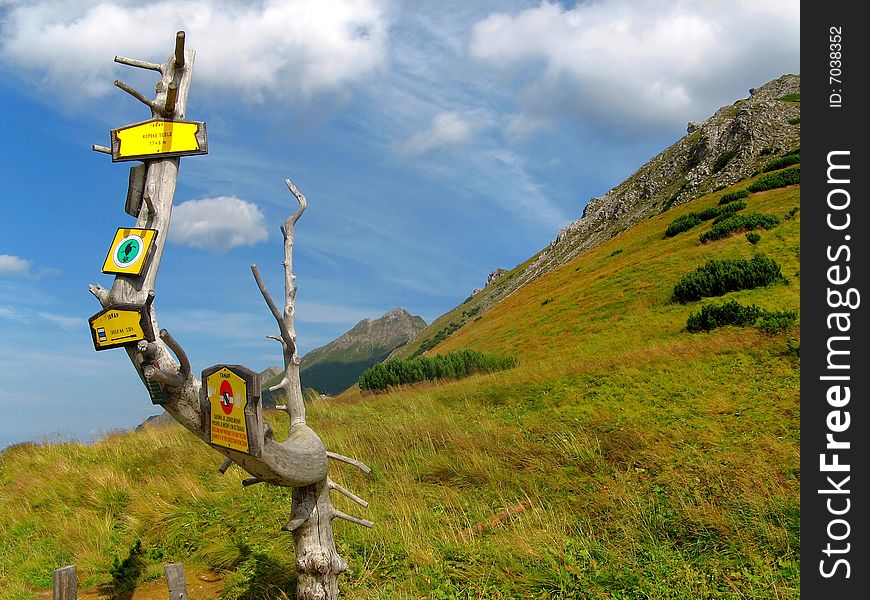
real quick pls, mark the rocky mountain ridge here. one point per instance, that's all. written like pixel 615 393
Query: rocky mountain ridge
pixel 737 141
pixel 731 145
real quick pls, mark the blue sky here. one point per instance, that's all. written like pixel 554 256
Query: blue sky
pixel 434 141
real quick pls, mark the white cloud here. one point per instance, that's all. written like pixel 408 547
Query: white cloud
pixel 447 129
pixel 287 48
pixel 217 224
pixel 635 64
pixel 13 265
pixel 27 317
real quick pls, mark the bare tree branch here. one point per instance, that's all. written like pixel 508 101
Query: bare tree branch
pixel 136 94
pixel 351 461
pixel 351 518
pixel 165 377
pixel 285 335
pixel 184 369
pixel 100 293
pixel 133 62
pixel 334 486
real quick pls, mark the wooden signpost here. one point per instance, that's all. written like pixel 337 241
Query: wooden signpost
pixel 224 408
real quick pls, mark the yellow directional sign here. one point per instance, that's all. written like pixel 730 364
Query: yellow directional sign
pixel 234 418
pixel 130 251
pixel 158 138
pixel 120 325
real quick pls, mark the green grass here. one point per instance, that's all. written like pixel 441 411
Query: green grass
pixel 652 462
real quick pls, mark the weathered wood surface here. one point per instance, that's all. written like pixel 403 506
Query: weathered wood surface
pixel 300 461
pixel 65 583
pixel 175 581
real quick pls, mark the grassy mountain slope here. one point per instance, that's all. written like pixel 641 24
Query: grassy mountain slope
pixel 731 145
pixel 623 458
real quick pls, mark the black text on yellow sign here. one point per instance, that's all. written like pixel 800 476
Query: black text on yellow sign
pixel 130 251
pixel 158 138
pixel 120 325
pixel 232 404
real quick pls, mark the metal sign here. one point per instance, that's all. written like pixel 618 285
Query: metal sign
pixel 158 138
pixel 235 418
pixel 131 248
pixel 120 325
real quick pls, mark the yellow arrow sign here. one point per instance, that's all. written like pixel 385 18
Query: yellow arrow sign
pixel 158 138
pixel 130 251
pixel 120 325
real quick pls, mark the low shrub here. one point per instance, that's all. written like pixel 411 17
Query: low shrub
pixel 453 365
pixel 723 227
pixel 777 179
pixel 753 237
pixel 688 221
pixel 772 323
pixel 719 277
pixel 712 316
pixel 733 196
pixel 782 162
pixel 681 224
pixel 723 159
pixel 719 212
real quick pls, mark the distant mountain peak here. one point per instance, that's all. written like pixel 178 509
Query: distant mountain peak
pixel 337 365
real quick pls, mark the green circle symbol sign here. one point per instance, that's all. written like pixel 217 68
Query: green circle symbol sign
pixel 127 251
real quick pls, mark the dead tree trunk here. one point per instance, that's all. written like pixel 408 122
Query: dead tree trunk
pixel 300 461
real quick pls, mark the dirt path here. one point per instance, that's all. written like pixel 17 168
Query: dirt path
pixel 200 586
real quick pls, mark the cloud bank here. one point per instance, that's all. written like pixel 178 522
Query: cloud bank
pixel 13 265
pixel 217 224
pixel 280 48
pixel 630 65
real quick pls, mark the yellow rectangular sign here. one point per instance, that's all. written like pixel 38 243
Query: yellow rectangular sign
pixel 158 138
pixel 130 250
pixel 228 394
pixel 119 326
pixel 234 418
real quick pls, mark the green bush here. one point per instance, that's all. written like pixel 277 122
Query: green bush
pixel 753 237
pixel 726 226
pixel 719 212
pixel 782 162
pixel 719 277
pixel 733 196
pixel 772 323
pixel 688 221
pixel 732 312
pixel 453 365
pixel 791 97
pixel 777 179
pixel 723 159
pixel 681 224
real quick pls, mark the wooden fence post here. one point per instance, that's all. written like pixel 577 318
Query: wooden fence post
pixel 65 586
pixel 175 581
